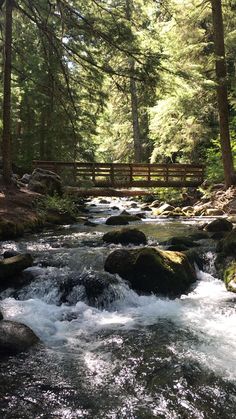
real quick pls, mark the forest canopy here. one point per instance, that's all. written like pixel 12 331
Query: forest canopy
pixel 117 81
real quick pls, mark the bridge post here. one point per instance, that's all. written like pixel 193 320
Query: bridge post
pixel 74 172
pixel 167 173
pixel 112 174
pixel 131 173
pixel 93 173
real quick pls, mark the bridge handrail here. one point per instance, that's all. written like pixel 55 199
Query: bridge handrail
pixel 133 174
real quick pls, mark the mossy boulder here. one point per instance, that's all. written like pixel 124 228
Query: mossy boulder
pixel 121 219
pixel 151 270
pixel 125 236
pixel 227 246
pixel 10 229
pixel 13 266
pixel 230 277
pixel 15 337
pixel 220 224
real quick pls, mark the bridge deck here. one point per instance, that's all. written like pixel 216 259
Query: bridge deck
pixel 129 175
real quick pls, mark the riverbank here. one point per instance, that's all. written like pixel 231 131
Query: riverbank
pixel 17 212
pixel 20 213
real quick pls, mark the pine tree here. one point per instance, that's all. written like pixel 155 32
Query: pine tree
pixel 6 136
pixel 222 95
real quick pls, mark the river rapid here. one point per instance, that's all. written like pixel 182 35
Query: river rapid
pixel 122 355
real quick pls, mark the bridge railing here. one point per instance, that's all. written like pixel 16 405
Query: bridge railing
pixel 133 174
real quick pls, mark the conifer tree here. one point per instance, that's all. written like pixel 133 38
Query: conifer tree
pixel 222 95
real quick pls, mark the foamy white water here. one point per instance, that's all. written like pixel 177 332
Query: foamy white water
pixel 208 311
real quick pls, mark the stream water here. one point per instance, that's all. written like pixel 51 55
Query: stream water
pixel 122 355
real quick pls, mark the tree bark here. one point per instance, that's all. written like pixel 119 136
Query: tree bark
pixel 221 89
pixel 6 136
pixel 135 118
pixel 134 100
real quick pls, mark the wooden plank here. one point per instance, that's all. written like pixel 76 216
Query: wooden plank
pixel 133 174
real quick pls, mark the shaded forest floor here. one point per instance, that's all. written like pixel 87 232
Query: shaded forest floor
pixel 17 205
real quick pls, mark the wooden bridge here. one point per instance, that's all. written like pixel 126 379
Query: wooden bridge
pixel 127 175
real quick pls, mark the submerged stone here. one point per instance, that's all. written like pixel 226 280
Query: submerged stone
pixel 151 270
pixel 180 243
pixel 15 337
pixel 199 235
pixel 125 236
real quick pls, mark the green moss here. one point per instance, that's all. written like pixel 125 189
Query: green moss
pixel 230 277
pixel 228 244
pixel 150 270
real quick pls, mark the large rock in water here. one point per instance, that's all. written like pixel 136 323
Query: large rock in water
pixel 10 267
pixel 116 220
pixel 227 246
pixel 125 236
pixel 220 224
pixel 46 182
pixel 15 337
pixel 151 270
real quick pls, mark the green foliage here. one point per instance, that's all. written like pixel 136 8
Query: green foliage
pixel 169 194
pixel 72 67
pixel 214 165
pixel 56 203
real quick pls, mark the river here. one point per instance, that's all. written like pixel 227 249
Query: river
pixel 122 355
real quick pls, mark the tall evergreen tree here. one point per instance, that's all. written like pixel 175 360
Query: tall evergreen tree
pixel 6 135
pixel 222 94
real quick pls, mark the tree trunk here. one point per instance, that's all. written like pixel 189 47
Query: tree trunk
pixel 134 100
pixel 222 94
pixel 6 136
pixel 135 118
pixel 42 137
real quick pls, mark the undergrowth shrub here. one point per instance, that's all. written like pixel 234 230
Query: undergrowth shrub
pixel 63 204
